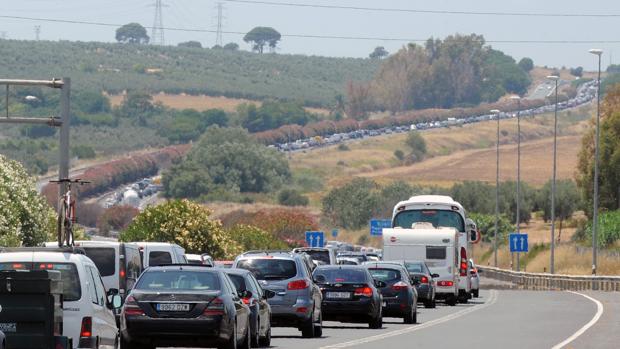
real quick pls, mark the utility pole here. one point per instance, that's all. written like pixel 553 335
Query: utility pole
pixel 599 53
pixel 518 99
pixel 553 188
pixel 496 112
pixel 37 32
pixel 157 32
pixel 220 24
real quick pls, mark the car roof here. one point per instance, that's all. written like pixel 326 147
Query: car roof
pixel 346 266
pixel 237 271
pixel 40 256
pixel 189 267
pixel 384 265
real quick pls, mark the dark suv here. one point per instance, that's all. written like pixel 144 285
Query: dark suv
pixel 297 300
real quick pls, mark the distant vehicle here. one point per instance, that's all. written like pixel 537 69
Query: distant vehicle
pixel 256 298
pixel 424 281
pixel 320 255
pixel 475 279
pixel 223 264
pixel 436 247
pixel 185 306
pixel 350 294
pixel 195 259
pixel 298 299
pixel 131 198
pixel 360 256
pixel 348 261
pixel 207 259
pixel 160 253
pixel 91 319
pixel 400 298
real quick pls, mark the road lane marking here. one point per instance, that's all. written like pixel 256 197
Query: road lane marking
pixel 492 299
pixel 597 316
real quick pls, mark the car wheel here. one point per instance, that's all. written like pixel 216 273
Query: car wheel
pixel 376 323
pixel 476 293
pixel 232 341
pixel 463 299
pixel 307 330
pixel 318 328
pixel 451 300
pixel 266 341
pixel 256 334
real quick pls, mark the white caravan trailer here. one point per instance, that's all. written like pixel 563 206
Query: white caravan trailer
pixel 441 211
pixel 438 247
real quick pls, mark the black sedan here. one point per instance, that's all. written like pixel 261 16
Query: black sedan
pixel 400 298
pixel 349 295
pixel 256 298
pixel 184 305
pixel 423 280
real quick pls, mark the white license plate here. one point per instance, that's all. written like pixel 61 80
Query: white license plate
pixel 172 307
pixel 8 327
pixel 338 295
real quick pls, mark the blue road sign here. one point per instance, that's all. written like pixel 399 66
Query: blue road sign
pixel 377 225
pixel 334 233
pixel 518 243
pixel 315 238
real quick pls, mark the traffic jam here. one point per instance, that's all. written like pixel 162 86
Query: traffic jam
pixel 107 294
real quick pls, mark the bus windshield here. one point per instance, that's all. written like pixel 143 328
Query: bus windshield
pixel 438 218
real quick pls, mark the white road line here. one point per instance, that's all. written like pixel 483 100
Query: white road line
pixel 492 299
pixel 597 316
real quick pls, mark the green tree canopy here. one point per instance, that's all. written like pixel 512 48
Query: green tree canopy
pixel 378 53
pixel 417 145
pixel 132 33
pixel 231 46
pixel 228 159
pixel 185 223
pixel 25 217
pixel 352 205
pixel 259 37
pixel 190 44
pixel 526 63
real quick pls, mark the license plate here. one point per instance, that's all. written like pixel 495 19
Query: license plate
pixel 172 307
pixel 338 295
pixel 8 327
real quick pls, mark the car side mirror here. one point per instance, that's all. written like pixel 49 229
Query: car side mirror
pixel 380 284
pixel 435 275
pixel 319 279
pixel 112 292
pixel 269 294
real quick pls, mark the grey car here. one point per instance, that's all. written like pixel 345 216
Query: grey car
pixel 297 300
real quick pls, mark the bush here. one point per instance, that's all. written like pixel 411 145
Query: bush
pixel 291 197
pixel 38 131
pixel 185 223
pixel 399 154
pixel 343 147
pixel 253 238
pixel 116 218
pixel 352 205
pixel 486 226
pixel 417 144
pixel 285 224
pixel 83 152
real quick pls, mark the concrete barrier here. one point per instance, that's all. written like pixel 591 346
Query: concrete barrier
pixel 544 281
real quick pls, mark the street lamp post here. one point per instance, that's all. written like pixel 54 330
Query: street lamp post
pixel 599 53
pixel 555 144
pixel 518 99
pixel 496 112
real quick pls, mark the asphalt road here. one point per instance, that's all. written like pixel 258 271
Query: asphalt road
pixel 498 319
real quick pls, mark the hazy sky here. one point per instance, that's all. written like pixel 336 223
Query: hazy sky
pixel 241 17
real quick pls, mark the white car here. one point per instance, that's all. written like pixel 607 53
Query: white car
pixel 475 279
pixel 88 316
pixel 161 253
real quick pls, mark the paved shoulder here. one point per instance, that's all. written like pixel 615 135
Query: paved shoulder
pixel 606 332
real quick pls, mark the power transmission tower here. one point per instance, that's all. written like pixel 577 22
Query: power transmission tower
pixel 220 18
pixel 157 32
pixel 37 31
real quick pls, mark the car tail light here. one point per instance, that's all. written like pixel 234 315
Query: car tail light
pixel 463 268
pixel 131 307
pixel 445 283
pixel 297 285
pixel 363 291
pixel 424 280
pixel 87 327
pixel 302 309
pixel 399 286
pixel 216 307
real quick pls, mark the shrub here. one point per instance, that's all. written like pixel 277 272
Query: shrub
pixel 608 229
pixel 285 224
pixel 253 238
pixel 116 218
pixel 486 226
pixel 352 205
pixel 343 147
pixel 399 154
pixel 291 197
pixel 417 145
pixel 83 152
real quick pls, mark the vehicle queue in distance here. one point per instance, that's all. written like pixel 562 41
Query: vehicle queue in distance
pixel 145 295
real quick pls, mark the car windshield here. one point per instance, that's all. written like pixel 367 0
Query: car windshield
pixel 340 275
pixel 414 267
pixel 384 274
pixel 104 258
pixel 438 218
pixel 269 269
pixel 71 289
pixel 178 280
pixel 318 255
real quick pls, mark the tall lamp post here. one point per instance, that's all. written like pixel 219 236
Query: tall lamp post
pixel 599 53
pixel 496 112
pixel 555 147
pixel 518 99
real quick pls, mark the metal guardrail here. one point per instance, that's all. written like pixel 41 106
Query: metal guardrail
pixel 543 281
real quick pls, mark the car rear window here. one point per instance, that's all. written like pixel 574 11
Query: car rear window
pixel 238 281
pixel 159 258
pixel 71 289
pixel 104 258
pixel 269 269
pixel 435 252
pixel 180 280
pixel 321 256
pixel 385 274
pixel 414 267
pixel 340 275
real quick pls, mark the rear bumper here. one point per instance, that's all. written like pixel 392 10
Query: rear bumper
pixel 291 315
pixel 397 306
pixel 176 331
pixel 349 311
pixel 425 292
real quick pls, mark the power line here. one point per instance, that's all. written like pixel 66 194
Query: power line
pixel 440 12
pixel 218 37
pixel 157 32
pixel 310 36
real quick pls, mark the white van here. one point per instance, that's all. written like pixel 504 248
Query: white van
pixel 88 317
pixel 441 211
pixel 160 253
pixel 438 247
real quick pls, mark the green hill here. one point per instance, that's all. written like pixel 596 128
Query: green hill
pixel 117 67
